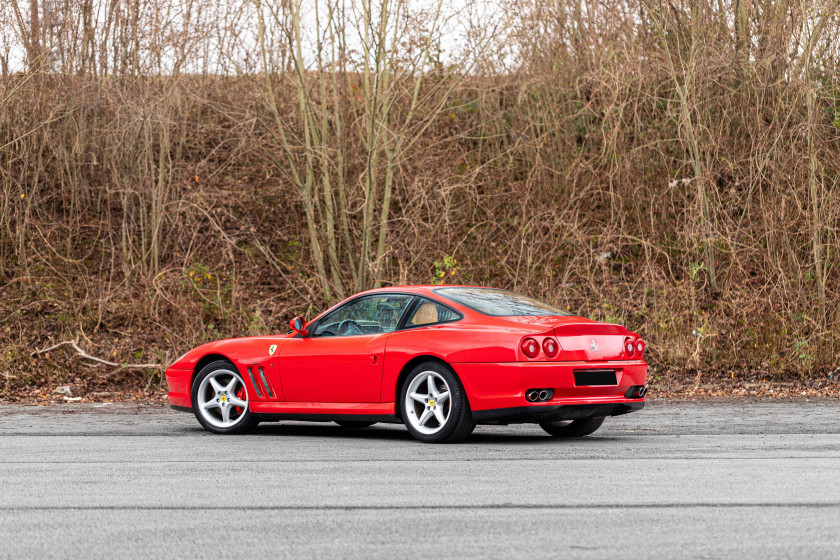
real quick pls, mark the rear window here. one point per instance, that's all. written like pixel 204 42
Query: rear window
pixel 499 303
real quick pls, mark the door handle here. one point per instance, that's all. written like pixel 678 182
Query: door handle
pixel 374 358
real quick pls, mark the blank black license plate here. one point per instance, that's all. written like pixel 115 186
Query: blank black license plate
pixel 595 377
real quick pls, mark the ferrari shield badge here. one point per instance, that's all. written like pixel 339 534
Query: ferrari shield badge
pixel 271 349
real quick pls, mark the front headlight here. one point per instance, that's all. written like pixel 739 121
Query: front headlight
pixel 184 355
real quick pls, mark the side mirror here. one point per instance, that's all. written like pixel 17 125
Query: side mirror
pixel 298 325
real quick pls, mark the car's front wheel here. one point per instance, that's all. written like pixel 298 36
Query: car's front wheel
pixel 572 428
pixel 220 399
pixel 434 406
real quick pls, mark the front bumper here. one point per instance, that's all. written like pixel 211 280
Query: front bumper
pixel 179 381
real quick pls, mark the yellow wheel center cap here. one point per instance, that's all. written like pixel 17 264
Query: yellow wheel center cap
pixel 224 398
pixel 431 402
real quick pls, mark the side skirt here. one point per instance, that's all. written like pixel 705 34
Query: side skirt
pixel 309 417
pixel 324 412
pixel 276 417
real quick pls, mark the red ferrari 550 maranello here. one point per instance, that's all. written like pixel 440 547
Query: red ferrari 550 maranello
pixel 439 359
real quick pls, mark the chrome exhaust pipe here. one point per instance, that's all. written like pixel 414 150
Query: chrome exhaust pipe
pixel 636 392
pixel 532 395
pixel 543 395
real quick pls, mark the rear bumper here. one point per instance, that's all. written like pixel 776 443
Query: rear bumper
pixel 553 413
pixel 497 390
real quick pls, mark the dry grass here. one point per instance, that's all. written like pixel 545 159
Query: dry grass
pixel 672 167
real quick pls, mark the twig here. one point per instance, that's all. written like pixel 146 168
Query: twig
pixel 72 344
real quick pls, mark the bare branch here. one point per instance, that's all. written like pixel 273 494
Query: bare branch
pixel 72 344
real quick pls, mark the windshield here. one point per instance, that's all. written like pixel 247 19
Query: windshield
pixel 499 303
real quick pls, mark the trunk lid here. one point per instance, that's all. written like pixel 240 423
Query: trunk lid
pixel 592 341
pixel 580 339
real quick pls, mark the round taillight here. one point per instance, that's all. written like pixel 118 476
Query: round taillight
pixel 629 347
pixel 640 347
pixel 550 347
pixel 530 347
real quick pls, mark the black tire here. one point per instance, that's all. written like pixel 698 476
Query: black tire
pixel 354 424
pixel 578 428
pixel 459 424
pixel 247 421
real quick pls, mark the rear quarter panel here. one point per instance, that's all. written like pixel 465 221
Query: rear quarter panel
pixel 452 342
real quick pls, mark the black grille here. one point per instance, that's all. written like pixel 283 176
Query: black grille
pixel 254 382
pixel 589 377
pixel 265 383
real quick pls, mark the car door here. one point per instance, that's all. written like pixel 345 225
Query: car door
pixel 341 358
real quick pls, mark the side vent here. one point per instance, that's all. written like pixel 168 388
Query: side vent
pixel 254 382
pixel 265 383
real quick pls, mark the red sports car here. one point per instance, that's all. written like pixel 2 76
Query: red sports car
pixel 439 359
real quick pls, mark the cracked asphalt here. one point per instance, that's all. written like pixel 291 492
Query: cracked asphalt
pixel 702 480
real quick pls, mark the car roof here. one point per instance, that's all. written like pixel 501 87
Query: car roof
pixel 419 288
pixel 426 290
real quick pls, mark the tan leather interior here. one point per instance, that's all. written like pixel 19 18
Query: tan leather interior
pixel 426 313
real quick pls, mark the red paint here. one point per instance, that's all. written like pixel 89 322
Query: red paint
pixel 323 408
pixel 492 386
pixel 359 374
pixel 335 369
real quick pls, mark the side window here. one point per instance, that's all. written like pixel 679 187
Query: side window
pixel 367 315
pixel 429 312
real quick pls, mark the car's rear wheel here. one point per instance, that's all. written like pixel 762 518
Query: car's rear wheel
pixel 354 423
pixel 434 406
pixel 220 399
pixel 572 428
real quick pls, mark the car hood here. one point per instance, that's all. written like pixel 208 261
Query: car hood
pixel 244 348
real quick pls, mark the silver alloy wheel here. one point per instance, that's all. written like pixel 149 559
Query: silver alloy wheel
pixel 427 402
pixel 217 398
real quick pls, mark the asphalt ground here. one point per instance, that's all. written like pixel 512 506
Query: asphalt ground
pixel 700 480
